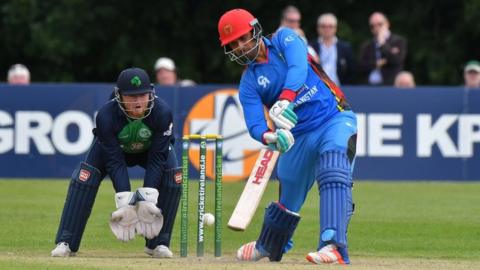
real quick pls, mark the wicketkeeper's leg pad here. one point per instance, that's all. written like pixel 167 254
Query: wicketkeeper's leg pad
pixel 279 225
pixel 78 205
pixel 335 186
pixel 169 193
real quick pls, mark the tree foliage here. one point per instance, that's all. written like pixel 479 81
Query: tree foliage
pixel 91 41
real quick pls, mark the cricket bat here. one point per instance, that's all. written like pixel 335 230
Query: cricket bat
pixel 253 191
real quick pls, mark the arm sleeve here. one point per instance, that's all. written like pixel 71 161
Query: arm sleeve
pixel 112 153
pixel 252 109
pixel 294 51
pixel 158 152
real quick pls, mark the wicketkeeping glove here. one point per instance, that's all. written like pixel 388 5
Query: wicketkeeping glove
pixel 150 218
pixel 281 140
pixel 123 220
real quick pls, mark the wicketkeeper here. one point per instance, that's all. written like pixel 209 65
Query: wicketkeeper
pixel 315 132
pixel 134 128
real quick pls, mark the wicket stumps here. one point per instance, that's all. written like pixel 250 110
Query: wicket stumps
pixel 201 193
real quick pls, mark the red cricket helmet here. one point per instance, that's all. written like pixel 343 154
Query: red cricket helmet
pixel 234 24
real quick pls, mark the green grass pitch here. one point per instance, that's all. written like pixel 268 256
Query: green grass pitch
pixel 396 225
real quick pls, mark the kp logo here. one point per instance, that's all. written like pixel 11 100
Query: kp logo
pixel 263 81
pixel 220 112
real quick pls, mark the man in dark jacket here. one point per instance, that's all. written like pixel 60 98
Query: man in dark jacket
pixel 382 57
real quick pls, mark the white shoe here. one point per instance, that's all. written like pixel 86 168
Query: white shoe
pixel 62 250
pixel 248 252
pixel 326 255
pixel 160 251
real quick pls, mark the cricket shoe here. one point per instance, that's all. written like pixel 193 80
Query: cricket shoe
pixel 249 252
pixel 160 251
pixel 62 250
pixel 326 255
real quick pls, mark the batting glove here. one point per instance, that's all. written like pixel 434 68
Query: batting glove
pixel 282 113
pixel 281 140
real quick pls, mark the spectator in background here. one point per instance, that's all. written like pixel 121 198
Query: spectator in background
pixel 166 73
pixel 382 58
pixel 292 18
pixel 404 79
pixel 471 74
pixel 335 55
pixel 18 74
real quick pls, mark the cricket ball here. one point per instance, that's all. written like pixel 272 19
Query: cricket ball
pixel 208 219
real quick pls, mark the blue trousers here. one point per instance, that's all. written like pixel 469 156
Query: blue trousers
pixel 297 168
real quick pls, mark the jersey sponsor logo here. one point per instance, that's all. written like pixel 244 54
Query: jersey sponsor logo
pixel 220 112
pixel 144 133
pixel 307 95
pixel 136 146
pixel 263 81
pixel 260 173
pixel 83 175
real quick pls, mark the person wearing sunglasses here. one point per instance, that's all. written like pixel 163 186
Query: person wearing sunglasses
pixel 383 56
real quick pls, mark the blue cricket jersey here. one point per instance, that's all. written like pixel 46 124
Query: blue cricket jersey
pixel 288 67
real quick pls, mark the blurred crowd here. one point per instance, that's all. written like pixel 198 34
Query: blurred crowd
pixel 380 61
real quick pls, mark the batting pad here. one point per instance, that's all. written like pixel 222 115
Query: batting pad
pixel 78 205
pixel 169 193
pixel 335 185
pixel 278 227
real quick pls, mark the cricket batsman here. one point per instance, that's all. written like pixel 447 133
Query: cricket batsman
pixel 134 128
pixel 315 130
